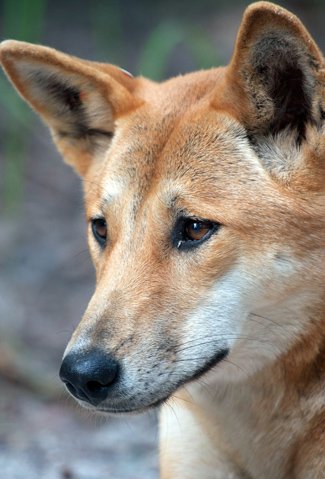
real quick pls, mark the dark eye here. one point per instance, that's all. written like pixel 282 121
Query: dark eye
pixel 190 232
pixel 99 228
pixel 196 230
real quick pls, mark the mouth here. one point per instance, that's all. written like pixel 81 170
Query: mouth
pixel 139 408
pixel 133 410
pixel 210 364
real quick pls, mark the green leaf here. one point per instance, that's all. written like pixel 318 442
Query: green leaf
pixel 158 47
pixel 22 20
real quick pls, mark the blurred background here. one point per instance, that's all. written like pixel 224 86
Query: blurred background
pixel 46 277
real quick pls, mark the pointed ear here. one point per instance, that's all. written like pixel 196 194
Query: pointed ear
pixel 278 73
pixel 79 100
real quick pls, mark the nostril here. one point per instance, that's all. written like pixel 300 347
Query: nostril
pixel 76 393
pixel 71 388
pixel 95 386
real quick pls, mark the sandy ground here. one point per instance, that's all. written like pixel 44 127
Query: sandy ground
pixel 51 440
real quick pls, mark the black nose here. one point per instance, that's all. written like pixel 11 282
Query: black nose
pixel 89 375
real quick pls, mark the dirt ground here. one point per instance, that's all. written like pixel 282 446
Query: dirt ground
pixel 53 440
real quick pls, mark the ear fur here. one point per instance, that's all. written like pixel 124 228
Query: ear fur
pixel 79 100
pixel 277 69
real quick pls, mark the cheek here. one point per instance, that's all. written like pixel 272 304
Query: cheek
pixel 221 308
pixel 219 322
pixel 93 249
pixel 195 274
pixel 97 255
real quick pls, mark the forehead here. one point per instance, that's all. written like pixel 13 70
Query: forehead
pixel 176 142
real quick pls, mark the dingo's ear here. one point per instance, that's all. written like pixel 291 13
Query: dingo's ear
pixel 79 100
pixel 278 73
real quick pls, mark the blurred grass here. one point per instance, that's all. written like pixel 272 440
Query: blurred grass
pixel 158 47
pixel 162 41
pixel 108 30
pixel 22 20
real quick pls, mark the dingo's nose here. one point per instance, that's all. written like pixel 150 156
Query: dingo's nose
pixel 89 375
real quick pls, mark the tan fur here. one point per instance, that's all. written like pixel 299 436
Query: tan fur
pixel 237 147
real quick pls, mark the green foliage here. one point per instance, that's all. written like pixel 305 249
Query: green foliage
pixel 165 38
pixel 108 31
pixel 22 20
pixel 158 47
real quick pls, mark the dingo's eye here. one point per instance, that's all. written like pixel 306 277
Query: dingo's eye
pixel 190 232
pixel 99 228
pixel 196 230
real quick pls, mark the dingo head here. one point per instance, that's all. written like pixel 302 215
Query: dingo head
pixel 203 199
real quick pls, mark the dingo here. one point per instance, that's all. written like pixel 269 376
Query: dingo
pixel 205 203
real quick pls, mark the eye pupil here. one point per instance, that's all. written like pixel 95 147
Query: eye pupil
pixel 190 232
pixel 196 230
pixel 99 228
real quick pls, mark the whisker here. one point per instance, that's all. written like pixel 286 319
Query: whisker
pixel 216 338
pixel 266 319
pixel 236 365
pixel 79 254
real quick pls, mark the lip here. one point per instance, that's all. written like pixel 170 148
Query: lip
pixel 135 410
pixel 211 363
pixel 216 359
pixel 117 410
